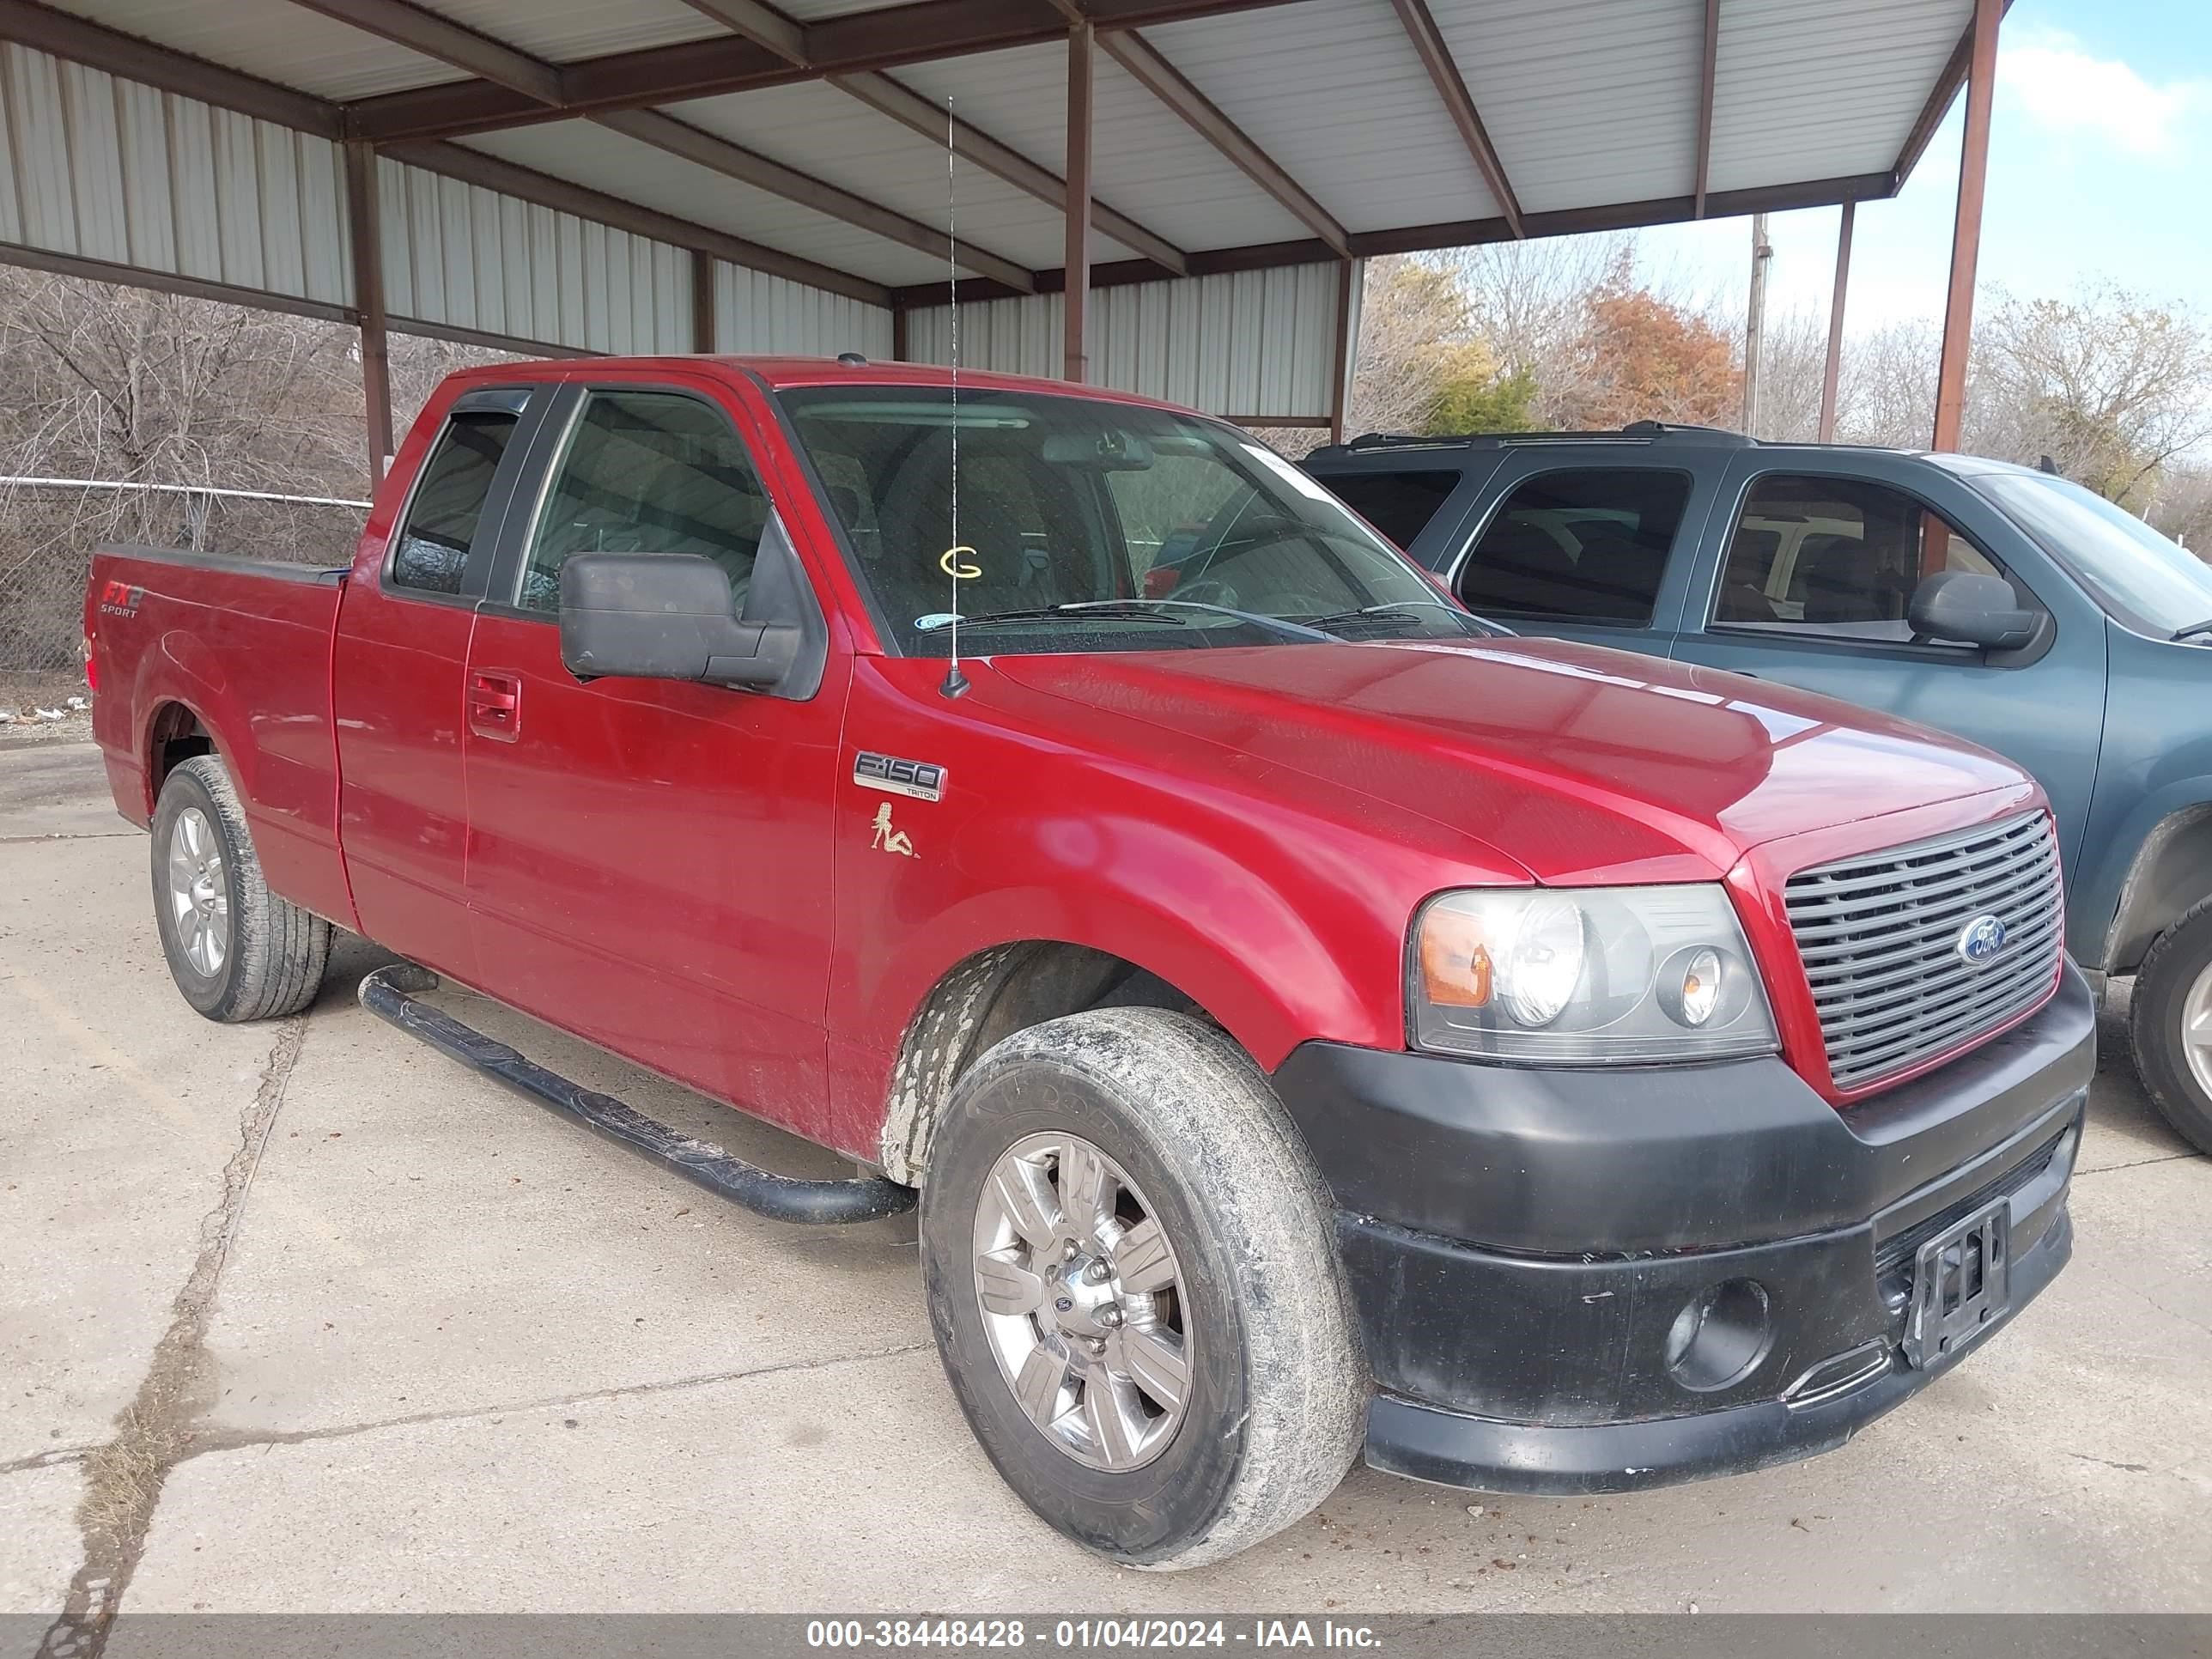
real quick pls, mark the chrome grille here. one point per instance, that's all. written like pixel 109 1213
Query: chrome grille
pixel 1878 935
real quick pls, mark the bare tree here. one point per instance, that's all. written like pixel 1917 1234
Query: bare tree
pixel 1412 317
pixel 1528 301
pixel 2110 385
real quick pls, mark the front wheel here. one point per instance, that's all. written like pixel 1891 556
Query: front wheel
pixel 1133 1277
pixel 2171 1024
pixel 236 950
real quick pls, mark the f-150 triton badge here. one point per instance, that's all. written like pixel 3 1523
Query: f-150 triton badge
pixel 899 777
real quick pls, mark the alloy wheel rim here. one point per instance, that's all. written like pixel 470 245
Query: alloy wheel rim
pixel 2197 1028
pixel 199 895
pixel 1082 1296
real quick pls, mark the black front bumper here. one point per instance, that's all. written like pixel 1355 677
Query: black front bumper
pixel 1522 1243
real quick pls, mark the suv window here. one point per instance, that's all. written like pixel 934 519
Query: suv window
pixel 1589 545
pixel 1399 504
pixel 430 554
pixel 648 472
pixel 1837 557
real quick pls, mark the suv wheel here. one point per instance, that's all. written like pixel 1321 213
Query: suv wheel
pixel 236 950
pixel 1133 1277
pixel 2171 1026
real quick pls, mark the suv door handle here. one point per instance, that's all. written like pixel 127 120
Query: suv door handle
pixel 495 704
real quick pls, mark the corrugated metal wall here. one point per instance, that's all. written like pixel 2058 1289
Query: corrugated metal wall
pixel 101 168
pixel 1256 345
pixel 464 257
pixel 757 312
pixel 93 166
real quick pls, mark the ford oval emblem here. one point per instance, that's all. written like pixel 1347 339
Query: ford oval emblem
pixel 1980 939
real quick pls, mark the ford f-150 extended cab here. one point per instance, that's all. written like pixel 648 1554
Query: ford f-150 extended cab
pixel 1310 1022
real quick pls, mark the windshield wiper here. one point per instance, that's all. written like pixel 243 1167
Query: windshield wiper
pixel 2192 630
pixel 1146 611
pixel 1467 621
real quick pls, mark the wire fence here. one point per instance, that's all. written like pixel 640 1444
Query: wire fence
pixel 49 527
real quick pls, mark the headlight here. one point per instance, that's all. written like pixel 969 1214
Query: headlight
pixel 1579 977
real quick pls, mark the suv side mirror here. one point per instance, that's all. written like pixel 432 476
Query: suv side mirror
pixel 1971 609
pixel 671 616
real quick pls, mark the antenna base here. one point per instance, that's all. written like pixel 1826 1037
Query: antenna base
pixel 954 684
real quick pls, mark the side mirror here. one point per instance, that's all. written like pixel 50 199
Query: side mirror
pixel 1970 609
pixel 670 616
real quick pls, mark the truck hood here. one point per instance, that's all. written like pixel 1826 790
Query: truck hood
pixel 1577 763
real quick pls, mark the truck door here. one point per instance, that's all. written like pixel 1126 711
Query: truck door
pixel 1583 552
pixel 1815 567
pixel 649 861
pixel 403 638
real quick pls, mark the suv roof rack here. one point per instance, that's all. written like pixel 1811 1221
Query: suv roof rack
pixel 1636 432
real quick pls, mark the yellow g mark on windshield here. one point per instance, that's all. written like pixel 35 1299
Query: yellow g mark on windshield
pixel 951 565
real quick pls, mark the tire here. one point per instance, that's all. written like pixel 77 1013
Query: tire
pixel 1273 1386
pixel 267 955
pixel 2172 1006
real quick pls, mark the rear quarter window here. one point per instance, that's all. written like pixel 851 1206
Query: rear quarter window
pixel 1587 544
pixel 1402 505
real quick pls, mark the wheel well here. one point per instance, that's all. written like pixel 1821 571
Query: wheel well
pixel 175 737
pixel 2171 876
pixel 988 997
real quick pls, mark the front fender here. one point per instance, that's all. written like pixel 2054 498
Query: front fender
pixel 2134 879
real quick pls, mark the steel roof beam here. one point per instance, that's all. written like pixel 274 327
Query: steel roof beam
pixel 667 134
pixel 910 109
pixel 1167 83
pixel 448 42
pixel 1459 233
pixel 919 31
pixel 526 184
pixel 64 35
pixel 764 25
pixel 1711 66
pixel 1939 102
pixel 1444 72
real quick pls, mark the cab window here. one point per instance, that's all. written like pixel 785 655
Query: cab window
pixel 1837 557
pixel 430 554
pixel 1586 545
pixel 647 472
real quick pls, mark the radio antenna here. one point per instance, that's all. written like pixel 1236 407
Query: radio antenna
pixel 955 681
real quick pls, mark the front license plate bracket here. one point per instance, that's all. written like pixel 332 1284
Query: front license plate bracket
pixel 1961 1282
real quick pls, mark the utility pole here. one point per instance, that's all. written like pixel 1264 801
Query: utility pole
pixel 1754 331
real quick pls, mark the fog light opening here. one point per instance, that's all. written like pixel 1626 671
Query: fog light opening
pixel 1720 1336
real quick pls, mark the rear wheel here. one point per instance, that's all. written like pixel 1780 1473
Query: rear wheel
pixel 2171 1026
pixel 236 950
pixel 1133 1277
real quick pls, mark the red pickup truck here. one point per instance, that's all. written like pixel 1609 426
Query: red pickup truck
pixel 1311 1021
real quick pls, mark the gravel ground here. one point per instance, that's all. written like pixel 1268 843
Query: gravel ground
pixel 23 694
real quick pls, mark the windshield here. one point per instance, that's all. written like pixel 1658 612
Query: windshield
pixel 1089 525
pixel 2154 586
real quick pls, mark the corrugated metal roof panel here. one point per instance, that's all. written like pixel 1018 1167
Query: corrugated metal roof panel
pixel 1804 90
pixel 464 257
pixel 833 135
pixel 559 30
pixel 1256 344
pixel 622 166
pixel 1587 101
pixel 762 314
pixel 274 39
pixel 99 168
pixel 1334 91
pixel 1144 161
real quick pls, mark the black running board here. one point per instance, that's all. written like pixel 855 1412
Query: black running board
pixel 391 994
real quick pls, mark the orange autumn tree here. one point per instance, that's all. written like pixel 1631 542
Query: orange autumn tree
pixel 1639 358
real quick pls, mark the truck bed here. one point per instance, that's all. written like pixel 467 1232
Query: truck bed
pixel 185 643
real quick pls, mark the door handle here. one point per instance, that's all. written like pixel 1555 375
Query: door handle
pixel 495 704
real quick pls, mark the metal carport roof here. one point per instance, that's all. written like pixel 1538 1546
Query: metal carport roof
pixel 677 174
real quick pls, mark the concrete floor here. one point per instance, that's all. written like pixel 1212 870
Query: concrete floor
pixel 303 1317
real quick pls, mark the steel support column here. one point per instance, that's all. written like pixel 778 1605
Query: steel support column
pixel 1347 346
pixel 1081 37
pixel 1966 229
pixel 363 221
pixel 1835 366
pixel 702 302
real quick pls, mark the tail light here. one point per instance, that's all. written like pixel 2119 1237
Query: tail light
pixel 91 668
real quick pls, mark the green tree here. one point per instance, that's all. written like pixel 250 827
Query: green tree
pixel 1487 403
